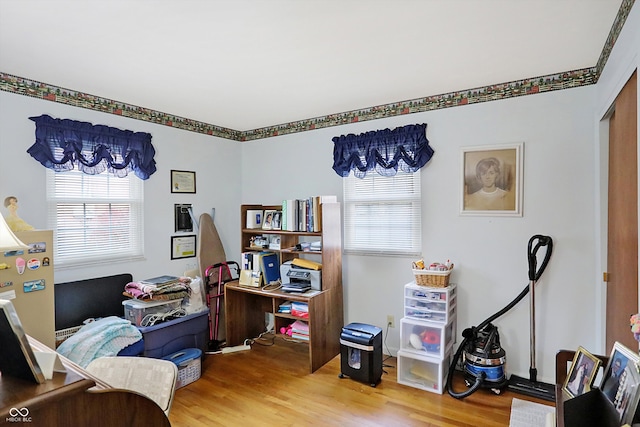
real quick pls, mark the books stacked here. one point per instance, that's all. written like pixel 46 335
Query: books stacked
pixel 304 214
pixel 300 330
pixel 300 309
pixel 265 262
pixel 285 307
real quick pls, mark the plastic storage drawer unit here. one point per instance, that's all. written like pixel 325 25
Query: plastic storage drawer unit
pixel 136 310
pixel 191 331
pixel 361 353
pixel 432 304
pixel 426 373
pixel 427 338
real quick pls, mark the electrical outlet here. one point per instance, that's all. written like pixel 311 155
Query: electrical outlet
pixel 391 321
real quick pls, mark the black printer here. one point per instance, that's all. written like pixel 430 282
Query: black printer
pixel 361 353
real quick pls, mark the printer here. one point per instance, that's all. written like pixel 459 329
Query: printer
pixel 291 274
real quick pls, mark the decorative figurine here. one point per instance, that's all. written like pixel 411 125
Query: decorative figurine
pixel 14 222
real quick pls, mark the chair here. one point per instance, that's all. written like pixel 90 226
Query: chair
pixel 153 378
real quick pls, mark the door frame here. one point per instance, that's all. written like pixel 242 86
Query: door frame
pixel 602 199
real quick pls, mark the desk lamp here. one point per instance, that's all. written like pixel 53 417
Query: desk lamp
pixel 8 240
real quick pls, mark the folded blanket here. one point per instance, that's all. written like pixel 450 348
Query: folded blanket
pixel 103 337
pixel 146 291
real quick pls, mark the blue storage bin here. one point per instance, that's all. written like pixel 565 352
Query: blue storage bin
pixel 163 339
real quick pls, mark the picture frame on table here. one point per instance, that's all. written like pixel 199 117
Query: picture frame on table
pixel 18 359
pixel 583 371
pixel 491 180
pixel 621 381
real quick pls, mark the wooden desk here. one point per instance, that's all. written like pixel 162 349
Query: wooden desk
pixel 73 398
pixel 245 310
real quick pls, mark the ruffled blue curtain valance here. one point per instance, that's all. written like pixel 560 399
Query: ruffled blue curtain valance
pixel 62 144
pixel 384 151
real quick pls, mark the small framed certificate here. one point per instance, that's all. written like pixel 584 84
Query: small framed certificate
pixel 183 247
pixel 183 181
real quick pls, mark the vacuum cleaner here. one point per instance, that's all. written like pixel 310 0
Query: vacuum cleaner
pixel 484 359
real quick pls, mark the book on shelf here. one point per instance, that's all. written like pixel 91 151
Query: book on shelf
pixel 285 307
pixel 270 267
pixel 252 260
pixel 304 214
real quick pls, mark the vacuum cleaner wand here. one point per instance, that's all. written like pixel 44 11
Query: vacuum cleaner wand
pixel 532 387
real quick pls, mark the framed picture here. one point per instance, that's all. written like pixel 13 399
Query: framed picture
pixel 183 221
pixel 267 224
pixel 582 373
pixel 621 380
pixel 18 359
pixel 276 224
pixel 183 247
pixel 491 181
pixel 183 181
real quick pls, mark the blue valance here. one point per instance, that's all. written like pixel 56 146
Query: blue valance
pixel 385 151
pixel 63 144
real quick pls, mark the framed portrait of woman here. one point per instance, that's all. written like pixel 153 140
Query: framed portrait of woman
pixel 491 181
pixel 581 374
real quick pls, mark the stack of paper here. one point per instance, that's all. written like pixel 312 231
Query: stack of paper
pixel 300 330
pixel 285 307
pixel 300 309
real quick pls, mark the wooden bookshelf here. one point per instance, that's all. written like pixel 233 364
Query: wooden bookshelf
pixel 245 307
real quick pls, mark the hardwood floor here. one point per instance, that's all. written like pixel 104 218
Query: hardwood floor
pixel 272 386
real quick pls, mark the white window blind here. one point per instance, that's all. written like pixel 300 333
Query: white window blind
pixel 95 218
pixel 382 215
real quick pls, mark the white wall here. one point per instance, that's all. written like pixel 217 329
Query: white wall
pixel 490 253
pixel 216 163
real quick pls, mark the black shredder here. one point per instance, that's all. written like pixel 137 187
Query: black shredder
pixel 361 353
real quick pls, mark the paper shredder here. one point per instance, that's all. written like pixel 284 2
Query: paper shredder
pixel 361 353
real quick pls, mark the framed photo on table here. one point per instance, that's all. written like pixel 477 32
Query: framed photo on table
pixel 183 181
pixel 582 373
pixel 18 359
pixel 621 381
pixel 491 181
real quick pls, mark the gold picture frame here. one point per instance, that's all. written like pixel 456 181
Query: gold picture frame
pixel 583 371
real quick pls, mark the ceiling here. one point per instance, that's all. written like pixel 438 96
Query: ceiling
pixel 248 64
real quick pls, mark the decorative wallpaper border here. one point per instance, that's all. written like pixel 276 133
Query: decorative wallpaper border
pixel 552 82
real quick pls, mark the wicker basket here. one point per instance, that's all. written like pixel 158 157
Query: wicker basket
pixel 432 278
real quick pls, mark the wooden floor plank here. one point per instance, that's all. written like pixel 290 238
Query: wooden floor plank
pixel 272 386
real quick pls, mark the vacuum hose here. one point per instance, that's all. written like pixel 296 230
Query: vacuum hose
pixel 469 335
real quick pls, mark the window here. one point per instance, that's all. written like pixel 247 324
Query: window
pixel 95 218
pixel 382 214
